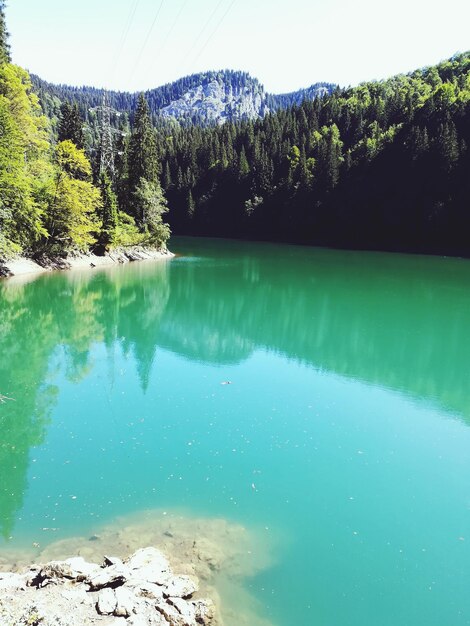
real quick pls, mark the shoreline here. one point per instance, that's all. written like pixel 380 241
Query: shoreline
pixel 142 589
pixel 24 266
pixel 214 556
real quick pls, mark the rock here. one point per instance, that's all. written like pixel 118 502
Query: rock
pixel 150 565
pixel 154 619
pixel 149 590
pixel 73 592
pixel 125 602
pixel 56 569
pixel 217 101
pixel 112 576
pixel 75 568
pixel 148 556
pixel 172 615
pixel 185 609
pixel 11 582
pixel 205 611
pixel 81 569
pixel 137 620
pixel 107 602
pixel 181 586
pixel 112 560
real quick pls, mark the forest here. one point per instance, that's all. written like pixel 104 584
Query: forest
pixel 52 201
pixel 383 165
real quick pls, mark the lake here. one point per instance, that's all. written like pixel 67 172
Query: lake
pixel 318 398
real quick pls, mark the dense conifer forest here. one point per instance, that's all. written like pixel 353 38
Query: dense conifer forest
pixel 384 165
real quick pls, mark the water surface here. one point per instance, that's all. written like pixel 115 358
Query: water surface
pixel 319 397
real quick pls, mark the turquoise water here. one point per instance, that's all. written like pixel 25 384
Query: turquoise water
pixel 343 434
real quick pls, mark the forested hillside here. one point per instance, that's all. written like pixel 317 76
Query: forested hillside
pixel 202 99
pixel 51 200
pixel 383 165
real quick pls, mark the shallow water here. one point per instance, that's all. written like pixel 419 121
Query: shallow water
pixel 343 434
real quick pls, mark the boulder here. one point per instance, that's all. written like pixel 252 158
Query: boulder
pixel 181 586
pixel 205 611
pixel 150 565
pixel 187 610
pixel 107 602
pixel 113 576
pixel 172 615
pixel 81 569
pixel 149 590
pixel 11 582
pixel 125 602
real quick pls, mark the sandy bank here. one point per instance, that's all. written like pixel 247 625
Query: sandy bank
pixel 22 266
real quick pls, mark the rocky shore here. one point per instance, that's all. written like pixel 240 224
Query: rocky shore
pixel 142 590
pixel 21 265
pixel 201 566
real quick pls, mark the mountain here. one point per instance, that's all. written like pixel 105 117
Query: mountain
pixel 295 98
pixel 205 99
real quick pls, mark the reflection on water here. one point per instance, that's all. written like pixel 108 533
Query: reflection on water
pixel 115 378
pixel 71 311
pixel 394 321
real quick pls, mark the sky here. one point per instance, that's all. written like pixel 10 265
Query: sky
pixel 133 45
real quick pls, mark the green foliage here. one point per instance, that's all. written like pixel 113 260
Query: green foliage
pixel 109 212
pixel 142 161
pixel 23 148
pixel 48 203
pixel 384 164
pixel 4 45
pixel 70 124
pixel 151 204
pixel 127 233
pixel 73 203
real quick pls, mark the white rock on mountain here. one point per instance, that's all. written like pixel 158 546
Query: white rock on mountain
pixel 218 102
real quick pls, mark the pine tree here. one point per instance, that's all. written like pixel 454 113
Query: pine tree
pixel 191 205
pixel 166 176
pixel 143 162
pixel 447 145
pixel 243 165
pixel 5 56
pixel 70 125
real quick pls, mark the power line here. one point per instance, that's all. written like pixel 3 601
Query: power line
pixel 219 4
pixel 147 37
pixel 124 35
pixel 172 28
pixel 214 31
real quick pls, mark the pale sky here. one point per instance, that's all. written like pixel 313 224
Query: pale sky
pixel 286 44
